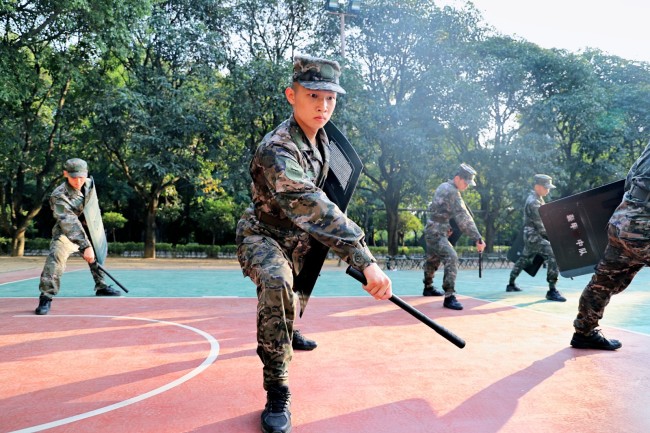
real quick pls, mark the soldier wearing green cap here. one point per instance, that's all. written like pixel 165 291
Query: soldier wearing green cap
pixel 288 213
pixel 536 240
pixel 447 204
pixel 68 235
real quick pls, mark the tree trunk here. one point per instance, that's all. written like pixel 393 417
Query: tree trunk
pixel 18 243
pixel 150 229
pixel 392 220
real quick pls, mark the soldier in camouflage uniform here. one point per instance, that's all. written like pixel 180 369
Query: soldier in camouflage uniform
pixel 536 240
pixel 68 235
pixel 288 213
pixel 448 204
pixel 627 251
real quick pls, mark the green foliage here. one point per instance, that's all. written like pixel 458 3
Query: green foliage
pixel 167 101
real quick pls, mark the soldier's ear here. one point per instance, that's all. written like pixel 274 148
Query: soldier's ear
pixel 290 94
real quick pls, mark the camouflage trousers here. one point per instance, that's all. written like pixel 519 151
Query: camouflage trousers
pixel 622 260
pixel 263 260
pixel 61 248
pixel 440 250
pixel 532 249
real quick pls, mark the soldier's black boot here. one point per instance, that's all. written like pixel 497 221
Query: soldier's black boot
pixel 276 417
pixel 430 290
pixel 513 287
pixel 299 342
pixel 554 295
pixel 107 291
pixel 44 304
pixel 452 303
pixel 594 340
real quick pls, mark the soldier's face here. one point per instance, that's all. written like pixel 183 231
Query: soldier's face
pixel 75 182
pixel 312 109
pixel 542 190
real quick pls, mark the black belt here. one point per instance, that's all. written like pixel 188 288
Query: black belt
pixel 273 221
pixel 639 194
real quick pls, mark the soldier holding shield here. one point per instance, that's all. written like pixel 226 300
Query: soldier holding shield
pixel 288 213
pixel 68 235
pixel 536 241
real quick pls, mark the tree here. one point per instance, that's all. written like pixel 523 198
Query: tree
pixel 217 216
pixel 113 221
pixel 397 47
pixel 44 49
pixel 150 125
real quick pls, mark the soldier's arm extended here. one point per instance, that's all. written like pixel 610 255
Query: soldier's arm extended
pixel 309 208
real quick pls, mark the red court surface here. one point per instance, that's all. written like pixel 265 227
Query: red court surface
pixel 123 365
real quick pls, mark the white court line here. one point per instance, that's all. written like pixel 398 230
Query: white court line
pixel 212 356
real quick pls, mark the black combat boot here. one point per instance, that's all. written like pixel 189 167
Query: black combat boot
pixel 299 342
pixel 44 303
pixel 107 291
pixel 276 417
pixel 554 295
pixel 513 287
pixel 594 340
pixel 430 290
pixel 452 303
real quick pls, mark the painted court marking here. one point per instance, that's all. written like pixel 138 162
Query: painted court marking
pixel 212 356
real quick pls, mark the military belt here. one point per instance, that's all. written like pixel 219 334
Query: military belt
pixel 273 221
pixel 638 193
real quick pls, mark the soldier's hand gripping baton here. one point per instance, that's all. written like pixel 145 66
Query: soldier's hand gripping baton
pixel 459 342
pixel 103 269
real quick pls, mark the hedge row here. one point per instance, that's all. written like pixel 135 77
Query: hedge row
pixel 136 249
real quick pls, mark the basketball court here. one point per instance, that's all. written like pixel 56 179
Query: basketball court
pixel 177 354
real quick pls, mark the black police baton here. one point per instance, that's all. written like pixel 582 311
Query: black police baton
pixel 459 342
pixel 103 269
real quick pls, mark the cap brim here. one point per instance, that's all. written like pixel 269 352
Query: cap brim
pixel 322 85
pixel 78 174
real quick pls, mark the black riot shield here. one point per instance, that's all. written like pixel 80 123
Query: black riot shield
pixel 342 177
pixel 577 227
pixel 94 223
pixel 516 248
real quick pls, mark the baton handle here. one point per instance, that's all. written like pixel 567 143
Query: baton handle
pixel 456 340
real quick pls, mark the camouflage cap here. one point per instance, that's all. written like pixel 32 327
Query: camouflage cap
pixel 544 180
pixel 317 74
pixel 466 172
pixel 76 167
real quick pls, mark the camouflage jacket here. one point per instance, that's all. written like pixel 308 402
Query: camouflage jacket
pixel 447 204
pixel 534 230
pixel 288 173
pixel 632 216
pixel 67 205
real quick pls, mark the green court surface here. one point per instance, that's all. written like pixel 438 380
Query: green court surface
pixel 629 310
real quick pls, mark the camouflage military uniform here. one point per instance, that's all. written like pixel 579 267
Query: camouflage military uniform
pixel 68 237
pixel 627 251
pixel 447 203
pixel 289 211
pixel 535 241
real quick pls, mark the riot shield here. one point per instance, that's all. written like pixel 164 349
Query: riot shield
pixel 94 223
pixel 342 177
pixel 514 253
pixel 577 227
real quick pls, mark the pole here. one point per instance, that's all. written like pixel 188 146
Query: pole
pixel 342 35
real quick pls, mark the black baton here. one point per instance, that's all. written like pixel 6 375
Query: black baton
pixel 103 269
pixel 459 342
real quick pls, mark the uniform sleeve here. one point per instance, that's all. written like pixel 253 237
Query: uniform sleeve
pixel 464 219
pixel 310 209
pixel 535 218
pixel 69 222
